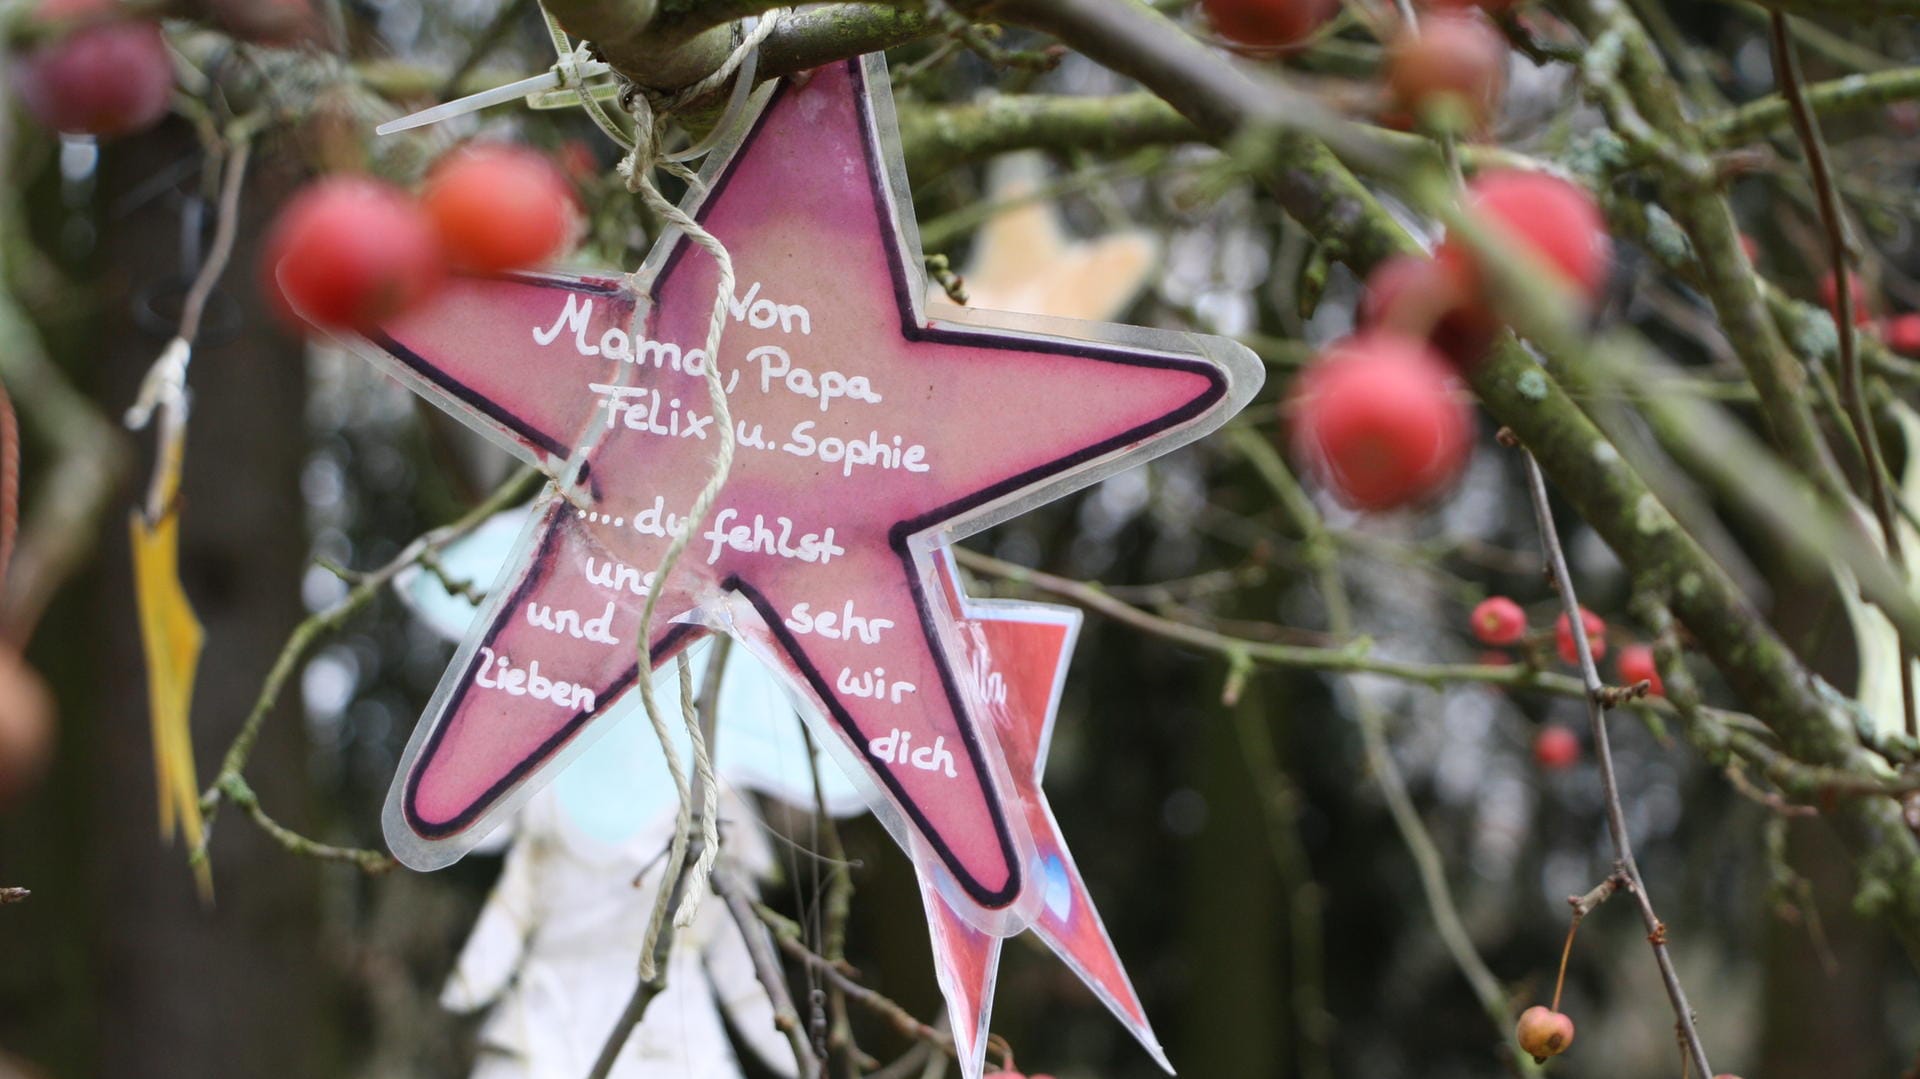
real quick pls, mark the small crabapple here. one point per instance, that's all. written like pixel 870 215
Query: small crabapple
pixel 266 22
pixel 1543 1032
pixel 1856 291
pixel 1449 70
pixel 1902 334
pixel 1556 748
pixel 1268 24
pixel 1499 621
pixel 26 727
pixel 1378 417
pixel 1555 221
pixel 350 252
pixel 110 76
pixel 1419 296
pixel 1563 641
pixel 1637 665
pixel 500 207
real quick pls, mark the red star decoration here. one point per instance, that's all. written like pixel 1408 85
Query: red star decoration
pixel 1019 652
pixel 870 434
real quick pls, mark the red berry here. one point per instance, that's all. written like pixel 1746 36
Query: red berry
pixel 1596 637
pixel 109 77
pixel 1543 1033
pixel 1499 621
pixel 500 207
pixel 1751 247
pixel 1902 335
pixel 1419 296
pixel 1378 416
pixel 1857 291
pixel 1556 221
pixel 267 22
pixel 1556 748
pixel 1449 62
pixel 350 252
pixel 1637 665
pixel 27 717
pixel 1268 24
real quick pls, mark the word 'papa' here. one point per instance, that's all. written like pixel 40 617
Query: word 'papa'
pixel 497 673
pixel 894 748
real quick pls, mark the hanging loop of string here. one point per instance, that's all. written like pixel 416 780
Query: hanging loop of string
pixel 651 112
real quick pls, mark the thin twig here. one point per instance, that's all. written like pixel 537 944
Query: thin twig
pixel 1603 751
pixel 788 935
pixel 766 966
pixel 315 627
pixel 1786 64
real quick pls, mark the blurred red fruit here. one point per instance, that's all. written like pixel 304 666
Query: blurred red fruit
pixel 1556 221
pixel 1491 7
pixel 578 160
pixel 1492 658
pixel 1902 334
pixel 266 22
pixel 1556 749
pixel 1637 665
pixel 350 252
pixel 1856 289
pixel 1748 245
pixel 1450 71
pixel 1420 297
pixel 109 77
pixel 500 207
pixel 1596 637
pixel 1268 24
pixel 1378 417
pixel 1544 1033
pixel 1499 621
pixel 26 727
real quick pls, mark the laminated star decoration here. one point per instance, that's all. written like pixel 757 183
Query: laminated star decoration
pixel 870 435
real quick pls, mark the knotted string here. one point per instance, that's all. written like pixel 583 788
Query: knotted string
pixel 651 112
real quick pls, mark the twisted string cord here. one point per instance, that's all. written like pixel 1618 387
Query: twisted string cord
pixel 644 158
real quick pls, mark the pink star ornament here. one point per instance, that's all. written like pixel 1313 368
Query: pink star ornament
pixel 1016 654
pixel 869 435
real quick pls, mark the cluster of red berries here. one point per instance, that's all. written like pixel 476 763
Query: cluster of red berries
pixel 1380 416
pixel 350 252
pixel 99 68
pixel 1499 622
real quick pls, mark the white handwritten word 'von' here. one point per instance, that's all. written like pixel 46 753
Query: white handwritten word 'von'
pixel 497 674
pixel 777 369
pixel 765 314
pixel 775 539
pixel 842 625
pixel 895 748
